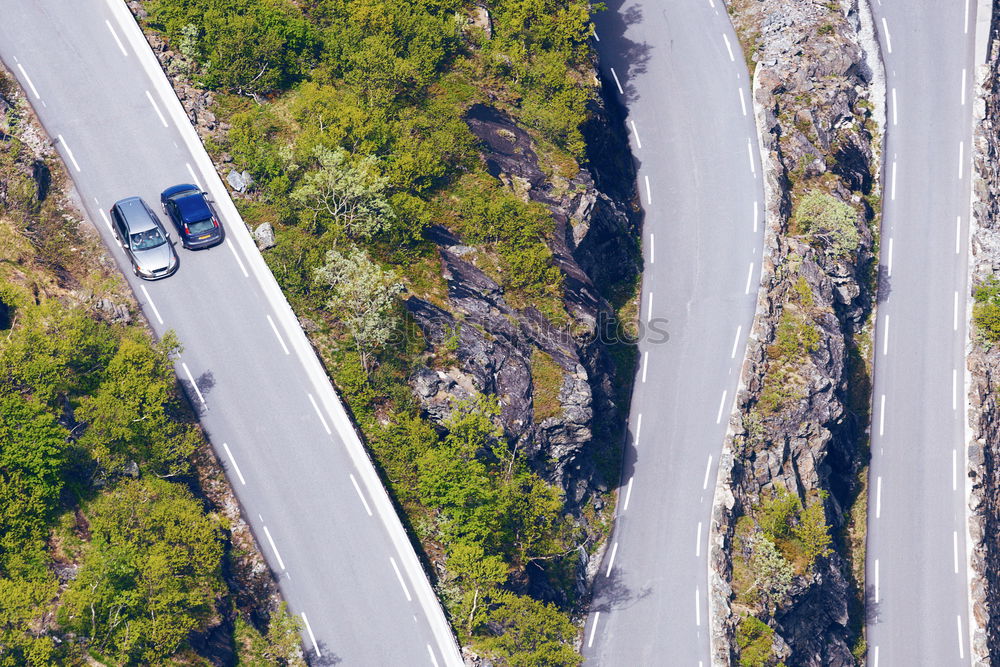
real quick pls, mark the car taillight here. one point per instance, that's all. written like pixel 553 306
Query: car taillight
pixel 186 230
pixel 215 222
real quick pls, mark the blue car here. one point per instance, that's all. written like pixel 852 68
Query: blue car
pixel 196 222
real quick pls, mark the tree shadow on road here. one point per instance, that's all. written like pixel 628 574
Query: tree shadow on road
pixel 616 51
pixel 202 386
pixel 326 657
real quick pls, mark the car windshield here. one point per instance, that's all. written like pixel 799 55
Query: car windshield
pixel 201 226
pixel 151 238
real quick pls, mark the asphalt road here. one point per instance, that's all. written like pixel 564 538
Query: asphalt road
pixel 684 81
pixel 322 519
pixel 916 562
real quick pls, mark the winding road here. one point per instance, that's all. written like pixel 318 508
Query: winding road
pixel 917 589
pixel 326 525
pixel 677 66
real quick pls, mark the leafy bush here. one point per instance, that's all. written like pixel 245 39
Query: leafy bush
pixel 150 574
pixel 986 309
pixel 363 298
pixel 246 46
pixel 529 633
pixel 755 641
pixel 829 221
pixel 778 513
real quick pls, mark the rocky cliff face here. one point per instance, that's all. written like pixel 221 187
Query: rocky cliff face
pixel 802 413
pixel 984 366
pixel 497 345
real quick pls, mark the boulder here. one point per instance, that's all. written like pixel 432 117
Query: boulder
pixel 264 235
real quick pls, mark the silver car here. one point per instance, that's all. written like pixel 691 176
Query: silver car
pixel 144 239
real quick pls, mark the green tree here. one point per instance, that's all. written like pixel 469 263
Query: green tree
pixel 529 633
pixel 150 575
pixel 363 298
pixel 755 640
pixel 813 531
pixel 23 605
pixel 772 573
pixel 349 194
pixel 249 47
pixel 778 513
pixel 134 414
pixel 32 449
pixel 480 574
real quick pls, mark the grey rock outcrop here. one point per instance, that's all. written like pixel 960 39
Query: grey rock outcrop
pixel 491 345
pixel 813 98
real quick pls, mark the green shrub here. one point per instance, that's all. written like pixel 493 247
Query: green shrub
pixel 986 309
pixel 828 221
pixel 778 513
pixel 755 640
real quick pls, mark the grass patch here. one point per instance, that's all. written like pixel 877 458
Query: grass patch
pixel 546 379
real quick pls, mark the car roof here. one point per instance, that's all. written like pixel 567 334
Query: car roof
pixel 193 207
pixel 136 214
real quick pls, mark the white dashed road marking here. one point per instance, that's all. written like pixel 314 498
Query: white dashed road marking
pixel 194 384
pixel 881 417
pixel 722 405
pixel 149 299
pixel 617 82
pixel 319 414
pixel 360 495
pixel 193 177
pixel 885 336
pixel 281 340
pixel 611 561
pixel 238 260
pixel 749 279
pixel 27 79
pixel 69 153
pixel 708 470
pixel 628 493
pixel 888 38
pixel 236 468
pixel 736 341
pixel 399 575
pixel 312 637
pixel 729 47
pixel 593 629
pixel 149 96
pixel 878 498
pixel 274 548
pixel 635 131
pixel 121 47
pixel 108 223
